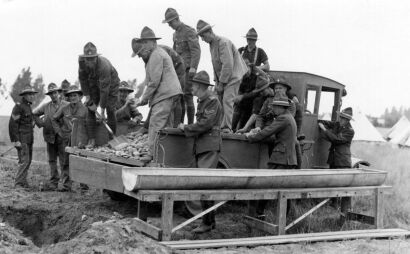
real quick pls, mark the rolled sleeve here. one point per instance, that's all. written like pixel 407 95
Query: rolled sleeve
pixel 154 71
pixel 226 58
pixel 194 48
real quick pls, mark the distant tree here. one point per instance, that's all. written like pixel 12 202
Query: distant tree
pixel 23 79
pixel 3 90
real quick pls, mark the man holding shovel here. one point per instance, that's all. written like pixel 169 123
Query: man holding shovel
pixel 99 82
pixel 163 89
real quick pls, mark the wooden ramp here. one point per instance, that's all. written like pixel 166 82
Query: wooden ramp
pixel 283 239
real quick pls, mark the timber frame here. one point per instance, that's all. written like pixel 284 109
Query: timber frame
pixel 168 197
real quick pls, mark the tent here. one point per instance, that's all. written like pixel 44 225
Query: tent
pixel 364 130
pixel 397 132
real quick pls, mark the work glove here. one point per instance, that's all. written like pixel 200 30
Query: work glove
pixel 191 72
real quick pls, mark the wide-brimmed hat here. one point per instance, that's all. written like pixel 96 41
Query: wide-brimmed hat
pixel 27 90
pixel 170 14
pixel 252 34
pixel 147 34
pixel 65 85
pixel 52 88
pixel 262 83
pixel 136 47
pixel 281 81
pixel 90 50
pixel 74 89
pixel 125 87
pixel 280 101
pixel 346 113
pixel 202 26
pixel 202 78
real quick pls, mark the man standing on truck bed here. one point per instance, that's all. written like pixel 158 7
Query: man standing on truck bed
pixel 163 89
pixel 340 134
pixel 186 44
pixel 99 83
pixel 229 68
pixel 54 142
pixel 21 133
pixel 282 132
pixel 206 131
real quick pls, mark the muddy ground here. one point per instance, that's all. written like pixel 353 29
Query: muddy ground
pixel 33 221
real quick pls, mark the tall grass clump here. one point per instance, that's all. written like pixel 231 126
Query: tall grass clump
pixel 396 161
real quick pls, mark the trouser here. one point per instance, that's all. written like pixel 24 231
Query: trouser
pixel 162 116
pixel 188 99
pixel 178 115
pixel 261 204
pixel 207 160
pixel 110 110
pixel 25 154
pixel 226 98
pixel 65 172
pixel 240 117
pixel 55 150
pixel 298 154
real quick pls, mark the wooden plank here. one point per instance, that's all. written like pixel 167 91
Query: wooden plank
pixel 295 236
pixel 281 213
pixel 270 240
pixel 166 216
pixel 199 215
pixel 257 194
pixel 260 225
pixel 127 161
pixel 148 229
pixel 95 155
pixel 307 214
pixel 360 217
pixel 379 208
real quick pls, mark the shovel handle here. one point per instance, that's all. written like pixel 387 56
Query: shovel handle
pixel 105 124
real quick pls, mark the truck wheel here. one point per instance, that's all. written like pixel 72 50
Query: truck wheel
pixel 117 196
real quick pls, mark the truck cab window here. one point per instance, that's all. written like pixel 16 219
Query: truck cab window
pixel 328 104
pixel 311 100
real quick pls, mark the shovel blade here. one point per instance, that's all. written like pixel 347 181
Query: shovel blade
pixel 118 143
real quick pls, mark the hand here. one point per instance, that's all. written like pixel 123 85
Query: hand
pixel 17 144
pixel 192 72
pixel 321 126
pixel 255 130
pixel 241 131
pixel 219 88
pixel 103 117
pixel 237 99
pixel 249 134
pixel 87 100
pixel 181 126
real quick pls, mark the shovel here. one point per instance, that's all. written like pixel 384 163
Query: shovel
pixel 8 150
pixel 117 143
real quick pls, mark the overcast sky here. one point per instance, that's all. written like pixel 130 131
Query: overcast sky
pixel 365 45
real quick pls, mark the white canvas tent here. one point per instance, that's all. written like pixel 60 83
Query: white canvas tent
pixel 398 131
pixel 364 129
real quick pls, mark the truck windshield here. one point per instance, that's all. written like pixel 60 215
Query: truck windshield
pixel 328 104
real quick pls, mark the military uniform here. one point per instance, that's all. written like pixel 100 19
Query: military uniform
pixel 186 44
pixel 125 114
pixel 101 84
pixel 21 130
pixel 55 144
pixel 340 138
pixel 67 117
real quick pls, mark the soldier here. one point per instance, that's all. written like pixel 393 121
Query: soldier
pixel 282 132
pixel 340 134
pixel 99 82
pixel 229 68
pixel 256 56
pixel 179 67
pixel 207 135
pixel 64 88
pixel 126 109
pixel 68 116
pixel 21 126
pixel 186 44
pixel 55 144
pixel 163 89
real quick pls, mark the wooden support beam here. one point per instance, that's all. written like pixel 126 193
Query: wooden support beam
pixel 379 208
pixel 260 225
pixel 148 229
pixel 199 215
pixel 281 213
pixel 166 216
pixel 360 218
pixel 306 214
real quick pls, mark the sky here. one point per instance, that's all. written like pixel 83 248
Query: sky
pixel 362 44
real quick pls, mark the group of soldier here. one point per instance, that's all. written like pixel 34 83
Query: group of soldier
pixel 245 99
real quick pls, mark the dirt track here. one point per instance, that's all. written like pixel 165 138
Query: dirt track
pixel 51 222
